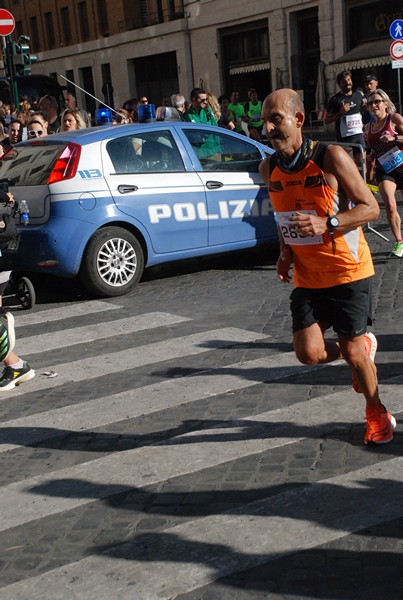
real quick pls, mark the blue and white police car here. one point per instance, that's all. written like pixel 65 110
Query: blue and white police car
pixel 106 202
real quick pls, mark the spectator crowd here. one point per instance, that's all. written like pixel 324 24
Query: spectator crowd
pixel 42 116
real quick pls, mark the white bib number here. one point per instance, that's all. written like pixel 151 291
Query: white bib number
pixel 350 124
pixel 289 232
pixel 391 159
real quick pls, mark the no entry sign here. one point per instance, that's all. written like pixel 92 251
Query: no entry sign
pixel 7 22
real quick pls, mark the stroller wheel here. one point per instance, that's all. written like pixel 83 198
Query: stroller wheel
pixel 25 292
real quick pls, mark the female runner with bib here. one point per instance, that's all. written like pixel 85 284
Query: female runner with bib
pixel 384 137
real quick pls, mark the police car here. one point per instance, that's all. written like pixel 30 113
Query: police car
pixel 106 202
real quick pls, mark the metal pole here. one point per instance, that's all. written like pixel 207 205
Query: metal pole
pixel 8 58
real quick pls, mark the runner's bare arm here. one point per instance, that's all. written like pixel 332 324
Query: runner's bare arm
pixel 397 121
pixel 285 258
pixel 284 261
pixel 342 173
pixel 264 170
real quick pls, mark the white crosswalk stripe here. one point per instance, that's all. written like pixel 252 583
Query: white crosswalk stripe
pixel 36 344
pixel 115 362
pixel 78 309
pixel 201 549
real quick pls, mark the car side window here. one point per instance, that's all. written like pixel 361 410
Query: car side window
pixel 147 152
pixel 221 152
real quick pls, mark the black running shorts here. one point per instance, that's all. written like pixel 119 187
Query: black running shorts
pixel 396 176
pixel 346 307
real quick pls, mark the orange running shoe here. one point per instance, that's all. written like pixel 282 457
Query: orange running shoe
pixel 380 425
pixel 371 346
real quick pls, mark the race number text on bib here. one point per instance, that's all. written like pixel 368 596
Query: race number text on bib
pixel 290 233
pixel 350 124
pixel 391 159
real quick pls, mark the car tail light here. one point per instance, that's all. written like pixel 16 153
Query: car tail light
pixel 67 164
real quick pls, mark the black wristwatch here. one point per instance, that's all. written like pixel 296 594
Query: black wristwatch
pixel 332 222
pixel 396 137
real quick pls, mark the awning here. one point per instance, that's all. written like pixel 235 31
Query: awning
pixel 370 54
pixel 250 68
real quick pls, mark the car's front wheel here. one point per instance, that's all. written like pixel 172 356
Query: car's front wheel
pixel 113 262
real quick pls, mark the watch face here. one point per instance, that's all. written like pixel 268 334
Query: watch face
pixel 334 221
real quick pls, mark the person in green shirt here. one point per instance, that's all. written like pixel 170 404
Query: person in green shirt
pixel 239 112
pixel 208 145
pixel 199 112
pixel 253 111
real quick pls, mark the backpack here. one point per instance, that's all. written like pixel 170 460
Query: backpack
pixel 9 235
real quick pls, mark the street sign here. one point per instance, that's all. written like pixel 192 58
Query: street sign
pixel 7 22
pixel 397 64
pixel 396 49
pixel 396 29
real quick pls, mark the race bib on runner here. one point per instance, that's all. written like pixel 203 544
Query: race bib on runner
pixel 351 124
pixel 391 159
pixel 289 232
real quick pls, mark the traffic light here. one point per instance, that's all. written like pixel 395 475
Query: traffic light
pixel 21 57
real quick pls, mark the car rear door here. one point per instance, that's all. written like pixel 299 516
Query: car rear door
pixel 149 181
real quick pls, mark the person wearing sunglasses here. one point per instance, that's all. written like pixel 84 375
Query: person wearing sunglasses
pixel 36 129
pixel 39 116
pixel 199 112
pixel 344 109
pixel 385 139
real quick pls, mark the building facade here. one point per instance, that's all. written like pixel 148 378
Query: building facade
pixel 118 49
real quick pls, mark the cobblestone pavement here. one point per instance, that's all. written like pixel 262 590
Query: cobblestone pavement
pixel 182 452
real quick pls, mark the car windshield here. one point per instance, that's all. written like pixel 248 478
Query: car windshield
pixel 29 164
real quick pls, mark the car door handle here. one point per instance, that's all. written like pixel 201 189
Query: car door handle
pixel 214 185
pixel 126 189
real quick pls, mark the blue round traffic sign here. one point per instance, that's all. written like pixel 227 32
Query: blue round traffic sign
pixel 396 29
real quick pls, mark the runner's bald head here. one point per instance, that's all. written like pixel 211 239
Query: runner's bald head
pixel 289 98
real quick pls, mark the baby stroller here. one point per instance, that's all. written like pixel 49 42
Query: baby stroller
pixel 20 291
pixel 18 288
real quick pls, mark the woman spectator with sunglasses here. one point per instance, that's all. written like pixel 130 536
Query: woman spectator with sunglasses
pixel 36 128
pixel 384 137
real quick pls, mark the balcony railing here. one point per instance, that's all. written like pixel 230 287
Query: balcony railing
pixel 153 18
